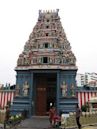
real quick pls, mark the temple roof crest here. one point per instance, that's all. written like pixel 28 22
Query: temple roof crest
pixel 47 44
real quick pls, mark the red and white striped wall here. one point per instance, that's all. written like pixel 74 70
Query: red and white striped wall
pixel 5 97
pixel 8 96
pixel 85 96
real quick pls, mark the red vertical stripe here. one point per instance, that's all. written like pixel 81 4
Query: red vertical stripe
pixel 2 102
pixel 81 99
pixel 6 96
pixel 84 97
pixel 95 94
pixel 91 94
pixel 5 99
pixel 88 96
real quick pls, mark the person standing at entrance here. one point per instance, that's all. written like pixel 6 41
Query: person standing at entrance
pixel 52 113
pixel 78 114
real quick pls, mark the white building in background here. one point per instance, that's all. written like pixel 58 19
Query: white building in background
pixel 80 80
pixel 89 79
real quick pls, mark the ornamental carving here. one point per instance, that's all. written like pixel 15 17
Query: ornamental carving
pixel 64 89
pixel 25 88
pixel 72 90
pixel 48 29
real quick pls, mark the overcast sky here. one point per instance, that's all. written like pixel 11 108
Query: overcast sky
pixel 18 17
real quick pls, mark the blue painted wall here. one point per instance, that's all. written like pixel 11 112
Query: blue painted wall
pixel 63 104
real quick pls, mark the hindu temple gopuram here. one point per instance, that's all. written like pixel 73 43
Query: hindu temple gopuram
pixel 46 69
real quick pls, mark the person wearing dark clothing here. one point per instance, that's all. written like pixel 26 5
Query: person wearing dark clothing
pixel 78 114
pixel 7 116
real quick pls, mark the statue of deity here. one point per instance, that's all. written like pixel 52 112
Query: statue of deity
pixel 25 89
pixel 64 89
pixel 72 90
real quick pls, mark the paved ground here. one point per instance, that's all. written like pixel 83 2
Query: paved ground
pixel 42 123
pixel 35 123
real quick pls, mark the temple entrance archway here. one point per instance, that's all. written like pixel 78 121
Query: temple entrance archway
pixel 45 95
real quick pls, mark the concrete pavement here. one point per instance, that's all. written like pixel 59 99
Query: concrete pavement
pixel 35 123
pixel 42 123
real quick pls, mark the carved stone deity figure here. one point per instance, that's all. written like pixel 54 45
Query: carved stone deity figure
pixel 51 60
pixel 72 58
pixel 17 90
pixel 72 90
pixel 25 88
pixel 26 61
pixel 19 61
pixel 64 89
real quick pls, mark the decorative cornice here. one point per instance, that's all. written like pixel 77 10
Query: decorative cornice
pixel 46 67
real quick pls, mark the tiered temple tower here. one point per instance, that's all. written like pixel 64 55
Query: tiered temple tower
pixel 46 69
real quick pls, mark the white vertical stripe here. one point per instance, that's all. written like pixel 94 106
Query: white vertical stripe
pixel 93 94
pixel 12 95
pixel 83 102
pixel 90 94
pixel 79 99
pixel 86 95
pixel 9 96
pixel 5 97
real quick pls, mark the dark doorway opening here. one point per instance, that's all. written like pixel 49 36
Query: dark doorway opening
pixel 45 60
pixel 45 95
pixel 51 91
